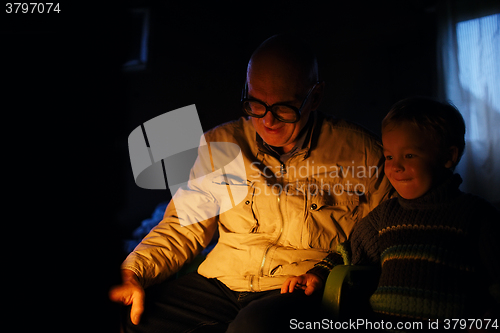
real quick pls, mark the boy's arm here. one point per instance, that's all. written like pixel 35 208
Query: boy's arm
pixel 323 268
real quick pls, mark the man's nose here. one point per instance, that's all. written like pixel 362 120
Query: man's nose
pixel 269 120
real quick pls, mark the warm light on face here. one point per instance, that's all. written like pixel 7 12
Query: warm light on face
pixel 273 131
pixel 411 160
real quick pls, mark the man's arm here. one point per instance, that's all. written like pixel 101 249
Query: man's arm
pixel 170 244
pixel 160 254
pixel 188 225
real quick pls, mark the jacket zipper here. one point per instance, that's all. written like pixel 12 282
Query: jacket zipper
pixel 256 226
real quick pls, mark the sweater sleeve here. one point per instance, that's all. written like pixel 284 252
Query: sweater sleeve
pixel 323 268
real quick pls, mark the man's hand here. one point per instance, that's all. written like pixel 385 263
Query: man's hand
pixel 129 292
pixel 307 282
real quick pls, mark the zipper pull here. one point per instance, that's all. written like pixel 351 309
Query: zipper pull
pixel 283 169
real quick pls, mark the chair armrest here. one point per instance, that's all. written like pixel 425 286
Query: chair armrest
pixel 346 286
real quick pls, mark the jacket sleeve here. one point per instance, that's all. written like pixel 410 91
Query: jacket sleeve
pixel 188 226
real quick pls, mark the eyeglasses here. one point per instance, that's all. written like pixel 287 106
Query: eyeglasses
pixel 282 112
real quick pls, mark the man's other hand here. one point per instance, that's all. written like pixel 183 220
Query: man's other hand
pixel 130 292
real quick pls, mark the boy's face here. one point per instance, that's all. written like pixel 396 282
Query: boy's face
pixel 412 159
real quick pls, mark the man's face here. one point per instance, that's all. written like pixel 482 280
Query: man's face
pixel 271 89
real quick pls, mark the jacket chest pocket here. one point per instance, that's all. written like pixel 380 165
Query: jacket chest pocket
pixel 330 215
pixel 244 218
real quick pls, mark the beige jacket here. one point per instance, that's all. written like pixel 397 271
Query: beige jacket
pixel 291 215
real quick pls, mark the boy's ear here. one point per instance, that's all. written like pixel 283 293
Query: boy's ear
pixel 451 158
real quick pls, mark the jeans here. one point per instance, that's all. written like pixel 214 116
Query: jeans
pixel 194 303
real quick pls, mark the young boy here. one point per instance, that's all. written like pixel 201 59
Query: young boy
pixel 436 246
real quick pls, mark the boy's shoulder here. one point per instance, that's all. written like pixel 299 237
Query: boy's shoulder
pixel 480 206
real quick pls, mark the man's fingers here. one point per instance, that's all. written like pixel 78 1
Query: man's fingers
pixel 297 283
pixel 284 287
pixel 309 290
pixel 292 285
pixel 137 309
pixel 289 285
pixel 313 285
pixel 119 294
pixel 129 295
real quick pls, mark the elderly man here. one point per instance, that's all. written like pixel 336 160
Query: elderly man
pixel 309 178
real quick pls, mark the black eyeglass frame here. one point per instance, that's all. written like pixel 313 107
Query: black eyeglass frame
pixel 269 108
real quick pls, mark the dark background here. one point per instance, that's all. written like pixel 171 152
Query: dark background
pixel 371 54
pixel 68 108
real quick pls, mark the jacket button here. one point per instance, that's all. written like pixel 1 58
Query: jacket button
pixel 314 206
pixel 247 202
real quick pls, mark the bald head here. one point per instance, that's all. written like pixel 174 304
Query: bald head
pixel 285 57
pixel 283 70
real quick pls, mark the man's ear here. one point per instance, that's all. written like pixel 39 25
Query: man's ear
pixel 317 95
pixel 451 157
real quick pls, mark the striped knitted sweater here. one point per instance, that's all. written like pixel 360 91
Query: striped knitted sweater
pixel 438 254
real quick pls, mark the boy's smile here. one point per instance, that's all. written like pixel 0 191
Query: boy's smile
pixel 411 160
